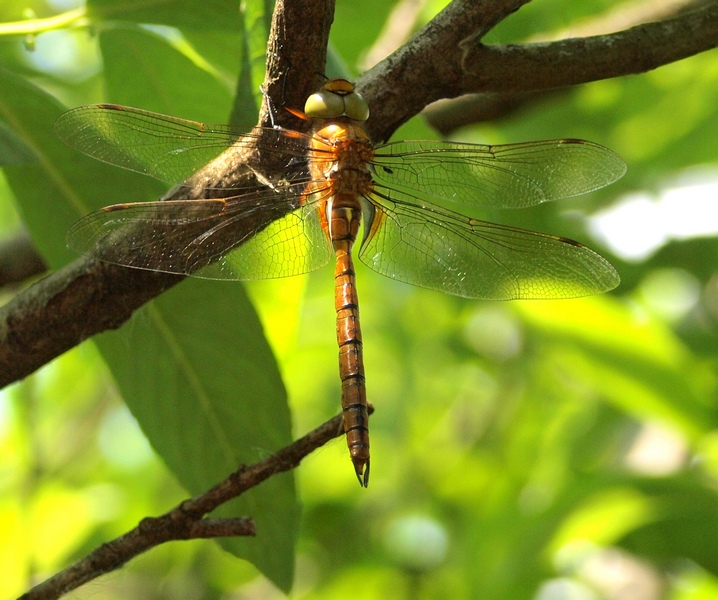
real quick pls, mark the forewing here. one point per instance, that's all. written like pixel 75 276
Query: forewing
pixel 255 236
pixel 167 148
pixel 510 176
pixel 451 253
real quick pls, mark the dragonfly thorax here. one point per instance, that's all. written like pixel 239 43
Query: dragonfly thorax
pixel 341 158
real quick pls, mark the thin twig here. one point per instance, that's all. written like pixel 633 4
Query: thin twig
pixel 185 521
pixel 71 18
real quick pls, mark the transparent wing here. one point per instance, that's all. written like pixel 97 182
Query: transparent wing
pixel 290 245
pixel 167 148
pixel 451 253
pixel 510 176
pixel 254 236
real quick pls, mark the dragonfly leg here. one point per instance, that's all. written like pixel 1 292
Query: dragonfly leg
pixel 270 108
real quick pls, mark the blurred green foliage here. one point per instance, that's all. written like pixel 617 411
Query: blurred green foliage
pixel 520 450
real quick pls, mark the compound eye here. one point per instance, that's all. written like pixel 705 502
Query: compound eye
pixel 324 105
pixel 355 107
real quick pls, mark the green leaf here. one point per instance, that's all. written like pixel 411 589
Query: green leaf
pixel 61 185
pixel 639 366
pixel 147 70
pixel 197 373
pixel 256 21
pixel 12 149
pixel 683 523
pixel 212 15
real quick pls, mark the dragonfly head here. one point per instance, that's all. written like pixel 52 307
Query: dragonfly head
pixel 337 98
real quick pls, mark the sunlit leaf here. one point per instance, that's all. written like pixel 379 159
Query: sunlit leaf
pixel 196 372
pixel 214 14
pixel 142 70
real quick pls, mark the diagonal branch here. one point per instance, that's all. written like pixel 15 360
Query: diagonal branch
pixel 428 67
pixel 440 61
pixel 446 59
pixel 542 66
pixel 449 114
pixel 185 521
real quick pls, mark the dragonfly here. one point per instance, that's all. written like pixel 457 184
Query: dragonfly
pixel 330 189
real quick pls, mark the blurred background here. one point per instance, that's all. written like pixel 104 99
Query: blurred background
pixel 534 449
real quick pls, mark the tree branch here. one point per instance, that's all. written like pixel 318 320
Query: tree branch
pixel 543 66
pixel 68 306
pixel 428 67
pixel 446 59
pixel 185 521
pixel 440 61
pixel 449 114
